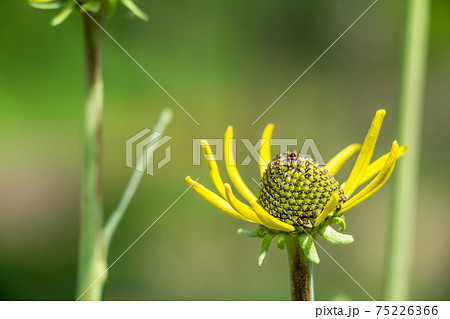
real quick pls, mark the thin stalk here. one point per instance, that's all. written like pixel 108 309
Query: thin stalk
pixel 117 215
pixel 402 225
pixel 96 237
pixel 300 271
pixel 92 260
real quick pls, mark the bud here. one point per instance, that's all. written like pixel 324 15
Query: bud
pixel 295 189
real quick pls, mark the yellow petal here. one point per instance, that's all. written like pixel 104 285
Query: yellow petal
pixel 365 154
pixel 340 158
pixel 268 220
pixel 230 164
pixel 213 199
pixel 376 183
pixel 264 152
pixel 376 166
pixel 214 174
pixel 329 208
pixel 240 207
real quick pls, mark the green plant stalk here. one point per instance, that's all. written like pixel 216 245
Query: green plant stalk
pixel 117 215
pixel 300 272
pixel 92 260
pixel 402 226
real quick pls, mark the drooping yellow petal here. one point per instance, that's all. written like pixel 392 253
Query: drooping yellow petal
pixel 268 220
pixel 264 152
pixel 376 166
pixel 329 208
pixel 214 174
pixel 213 199
pixel 365 154
pixel 340 158
pixel 240 207
pixel 376 183
pixel 230 164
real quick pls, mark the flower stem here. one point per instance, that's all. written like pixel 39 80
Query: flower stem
pixel 92 261
pixel 406 181
pixel 116 216
pixel 300 271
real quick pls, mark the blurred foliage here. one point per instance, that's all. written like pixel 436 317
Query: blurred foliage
pixel 225 62
pixel 89 6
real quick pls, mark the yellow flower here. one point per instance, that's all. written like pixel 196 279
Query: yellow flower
pixel 274 215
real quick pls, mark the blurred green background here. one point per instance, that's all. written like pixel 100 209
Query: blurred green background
pixel 225 62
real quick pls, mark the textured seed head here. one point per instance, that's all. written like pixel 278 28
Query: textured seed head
pixel 295 189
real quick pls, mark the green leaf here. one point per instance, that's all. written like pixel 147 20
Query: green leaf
pixel 332 236
pixel 46 5
pixel 265 247
pixel 309 248
pixel 60 17
pixel 133 8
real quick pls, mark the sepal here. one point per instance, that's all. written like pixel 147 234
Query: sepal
pixel 333 237
pixel 338 221
pixel 247 233
pixel 267 240
pixel 63 14
pixel 92 6
pixel 46 5
pixel 309 248
pixel 112 7
pixel 281 240
pixel 134 9
pixel 261 231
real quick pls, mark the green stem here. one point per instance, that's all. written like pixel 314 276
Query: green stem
pixel 406 182
pixel 92 260
pixel 300 271
pixel 116 216
pixel 311 279
pixel 96 238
